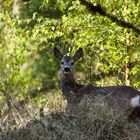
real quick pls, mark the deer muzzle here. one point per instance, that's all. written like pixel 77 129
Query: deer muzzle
pixel 66 70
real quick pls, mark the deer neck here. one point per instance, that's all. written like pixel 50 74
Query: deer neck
pixel 67 83
pixel 70 89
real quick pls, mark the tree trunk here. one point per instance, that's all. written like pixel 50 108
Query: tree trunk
pixel 1 3
pixel 127 80
pixel 127 65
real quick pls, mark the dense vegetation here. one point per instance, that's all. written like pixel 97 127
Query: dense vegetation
pixel 108 31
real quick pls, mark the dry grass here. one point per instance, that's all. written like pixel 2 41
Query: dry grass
pixel 88 120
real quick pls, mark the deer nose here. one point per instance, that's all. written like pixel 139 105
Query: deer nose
pixel 66 69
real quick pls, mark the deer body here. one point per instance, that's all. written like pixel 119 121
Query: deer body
pixel 74 92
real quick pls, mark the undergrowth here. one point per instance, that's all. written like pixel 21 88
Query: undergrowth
pixel 88 120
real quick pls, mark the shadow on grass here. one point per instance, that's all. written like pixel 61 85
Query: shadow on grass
pixel 94 122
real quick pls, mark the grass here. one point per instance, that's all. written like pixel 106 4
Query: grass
pixel 88 120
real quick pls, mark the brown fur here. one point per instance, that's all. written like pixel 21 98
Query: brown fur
pixel 74 92
pixel 71 88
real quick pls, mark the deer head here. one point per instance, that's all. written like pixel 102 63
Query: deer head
pixel 67 61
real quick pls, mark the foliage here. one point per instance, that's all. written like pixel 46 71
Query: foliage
pixel 28 68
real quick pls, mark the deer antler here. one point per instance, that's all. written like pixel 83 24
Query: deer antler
pixel 71 47
pixel 64 49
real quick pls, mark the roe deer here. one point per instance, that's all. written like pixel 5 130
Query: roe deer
pixel 73 92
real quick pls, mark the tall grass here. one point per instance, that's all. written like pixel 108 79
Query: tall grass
pixel 88 120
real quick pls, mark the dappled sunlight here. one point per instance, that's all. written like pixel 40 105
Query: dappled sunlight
pixel 45 99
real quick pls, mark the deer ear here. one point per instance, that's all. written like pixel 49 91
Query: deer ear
pixel 57 54
pixel 78 54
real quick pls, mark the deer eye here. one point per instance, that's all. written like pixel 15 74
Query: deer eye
pixel 72 63
pixel 62 63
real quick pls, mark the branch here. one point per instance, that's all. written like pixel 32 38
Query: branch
pixel 101 11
